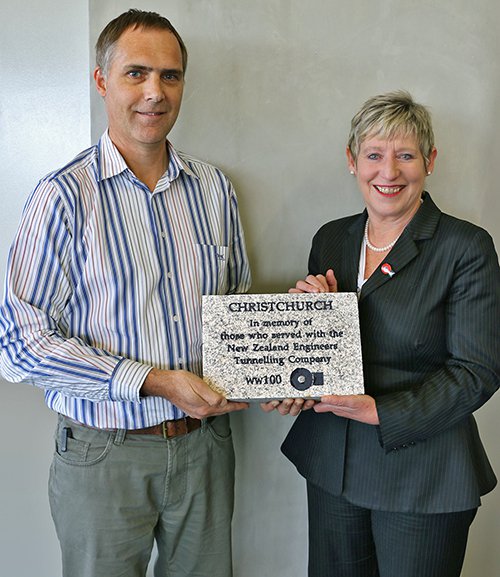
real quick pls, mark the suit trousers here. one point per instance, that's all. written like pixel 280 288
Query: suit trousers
pixel 113 494
pixel 350 541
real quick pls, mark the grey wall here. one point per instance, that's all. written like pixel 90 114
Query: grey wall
pixel 44 122
pixel 271 88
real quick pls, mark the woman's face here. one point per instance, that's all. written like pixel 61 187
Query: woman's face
pixel 391 176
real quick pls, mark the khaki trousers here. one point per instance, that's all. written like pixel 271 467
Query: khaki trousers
pixel 114 494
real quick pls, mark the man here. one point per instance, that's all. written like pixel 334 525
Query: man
pixel 102 310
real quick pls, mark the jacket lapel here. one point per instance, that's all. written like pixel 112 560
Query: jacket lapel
pixel 421 227
pixel 348 277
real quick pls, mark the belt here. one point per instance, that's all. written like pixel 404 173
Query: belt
pixel 169 429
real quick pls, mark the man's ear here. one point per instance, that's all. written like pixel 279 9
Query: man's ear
pixel 100 81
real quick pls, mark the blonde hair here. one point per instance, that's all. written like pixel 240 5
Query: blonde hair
pixel 391 115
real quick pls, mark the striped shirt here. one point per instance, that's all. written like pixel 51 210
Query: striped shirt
pixel 104 282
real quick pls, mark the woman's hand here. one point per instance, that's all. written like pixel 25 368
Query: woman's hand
pixel 312 284
pixel 316 284
pixel 288 406
pixel 357 407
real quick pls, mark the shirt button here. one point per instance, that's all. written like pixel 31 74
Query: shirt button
pixel 175 318
pixel 163 234
pixel 169 275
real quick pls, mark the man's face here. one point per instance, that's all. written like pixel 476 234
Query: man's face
pixel 142 89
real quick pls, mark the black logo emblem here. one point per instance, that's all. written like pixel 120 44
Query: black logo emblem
pixel 303 379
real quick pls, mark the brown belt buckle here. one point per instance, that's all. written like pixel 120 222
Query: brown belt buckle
pixel 174 428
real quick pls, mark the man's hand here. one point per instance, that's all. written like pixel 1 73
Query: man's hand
pixel 357 407
pixel 316 284
pixel 188 392
pixel 288 406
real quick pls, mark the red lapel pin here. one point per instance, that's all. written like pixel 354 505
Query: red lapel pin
pixel 387 269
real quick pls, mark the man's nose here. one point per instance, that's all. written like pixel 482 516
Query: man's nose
pixel 153 88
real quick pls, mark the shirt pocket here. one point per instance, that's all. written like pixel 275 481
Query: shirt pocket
pixel 212 268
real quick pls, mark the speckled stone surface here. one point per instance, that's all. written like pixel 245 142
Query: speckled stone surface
pixel 275 346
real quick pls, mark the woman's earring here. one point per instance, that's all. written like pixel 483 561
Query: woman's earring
pixel 352 172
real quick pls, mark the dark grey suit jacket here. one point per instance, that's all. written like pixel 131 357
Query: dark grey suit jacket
pixel 431 357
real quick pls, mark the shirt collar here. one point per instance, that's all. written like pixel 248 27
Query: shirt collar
pixel 112 163
pixel 176 164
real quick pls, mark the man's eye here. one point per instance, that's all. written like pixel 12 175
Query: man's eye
pixel 134 74
pixel 171 76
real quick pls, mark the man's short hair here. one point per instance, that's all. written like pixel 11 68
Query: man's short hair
pixel 133 18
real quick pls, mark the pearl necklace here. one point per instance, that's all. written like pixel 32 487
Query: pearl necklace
pixel 376 248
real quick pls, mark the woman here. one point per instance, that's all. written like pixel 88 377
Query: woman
pixel 394 476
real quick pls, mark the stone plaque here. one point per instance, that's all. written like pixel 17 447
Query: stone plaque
pixel 276 346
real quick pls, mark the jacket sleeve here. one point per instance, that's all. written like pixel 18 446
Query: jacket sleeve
pixel 471 374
